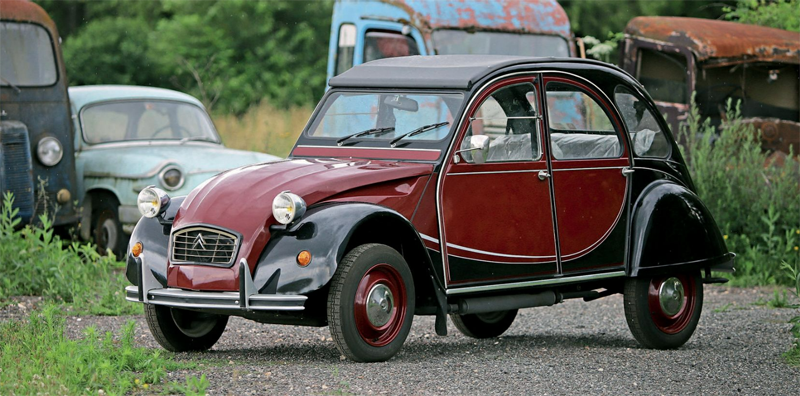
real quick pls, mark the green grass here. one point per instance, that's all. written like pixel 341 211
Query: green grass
pixel 36 262
pixel 37 358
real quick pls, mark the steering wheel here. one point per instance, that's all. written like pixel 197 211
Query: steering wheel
pixel 165 128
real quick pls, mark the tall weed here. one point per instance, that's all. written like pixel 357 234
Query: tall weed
pixel 263 128
pixel 35 261
pixel 754 201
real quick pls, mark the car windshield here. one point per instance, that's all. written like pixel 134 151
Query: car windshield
pixel 146 120
pixel 459 42
pixel 390 115
pixel 26 56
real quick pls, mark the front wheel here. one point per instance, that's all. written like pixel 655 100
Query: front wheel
pixel 484 325
pixel 179 330
pixel 371 303
pixel 663 311
pixel 107 229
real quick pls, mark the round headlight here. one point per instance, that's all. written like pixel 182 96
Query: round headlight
pixel 171 178
pixel 286 207
pixel 152 201
pixel 49 151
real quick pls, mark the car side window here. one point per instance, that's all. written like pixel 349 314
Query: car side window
pixel 580 128
pixel 383 44
pixel 647 137
pixel 508 118
pixel 346 48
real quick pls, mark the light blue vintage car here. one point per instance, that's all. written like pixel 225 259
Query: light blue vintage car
pixel 127 138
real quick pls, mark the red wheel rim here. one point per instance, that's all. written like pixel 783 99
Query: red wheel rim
pixel 380 305
pixel 670 309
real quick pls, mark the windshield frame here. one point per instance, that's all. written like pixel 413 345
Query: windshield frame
pixel 57 63
pixel 514 32
pixel 379 142
pixel 206 117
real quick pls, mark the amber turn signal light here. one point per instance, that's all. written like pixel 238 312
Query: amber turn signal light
pixel 136 249
pixel 304 258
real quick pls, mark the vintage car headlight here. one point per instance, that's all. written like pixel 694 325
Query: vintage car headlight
pixel 152 201
pixel 171 178
pixel 286 207
pixel 49 151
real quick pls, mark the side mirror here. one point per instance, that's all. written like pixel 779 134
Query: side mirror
pixel 478 148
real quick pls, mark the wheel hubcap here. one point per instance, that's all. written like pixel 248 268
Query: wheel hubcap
pixel 670 296
pixel 380 304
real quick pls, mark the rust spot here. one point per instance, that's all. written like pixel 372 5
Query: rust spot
pixel 720 42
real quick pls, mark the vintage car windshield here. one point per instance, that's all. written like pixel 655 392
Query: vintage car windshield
pixel 146 120
pixel 396 114
pixel 458 42
pixel 26 56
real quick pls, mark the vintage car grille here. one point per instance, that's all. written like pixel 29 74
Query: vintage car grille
pixel 201 245
pixel 15 175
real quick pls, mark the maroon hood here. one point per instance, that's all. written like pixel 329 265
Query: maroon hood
pixel 241 199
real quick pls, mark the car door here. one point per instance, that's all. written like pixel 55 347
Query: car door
pixel 589 162
pixel 496 214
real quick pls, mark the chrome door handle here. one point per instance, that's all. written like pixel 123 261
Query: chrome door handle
pixel 543 175
pixel 627 171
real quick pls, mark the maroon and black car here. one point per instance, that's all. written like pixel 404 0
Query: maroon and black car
pixel 472 186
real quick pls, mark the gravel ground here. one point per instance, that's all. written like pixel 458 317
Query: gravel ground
pixel 571 348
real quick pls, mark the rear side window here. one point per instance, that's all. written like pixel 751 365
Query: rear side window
pixel 382 44
pixel 26 55
pixel 579 126
pixel 646 135
pixel 663 75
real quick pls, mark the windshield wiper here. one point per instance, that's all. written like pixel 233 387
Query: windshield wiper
pixel 373 131
pixel 417 131
pixel 10 84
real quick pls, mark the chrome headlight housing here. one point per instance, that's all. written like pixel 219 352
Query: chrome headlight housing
pixel 152 201
pixel 287 207
pixel 49 151
pixel 171 178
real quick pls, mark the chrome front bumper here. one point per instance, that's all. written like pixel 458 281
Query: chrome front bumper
pixel 150 291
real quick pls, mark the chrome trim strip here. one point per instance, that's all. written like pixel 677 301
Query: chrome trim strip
pixel 369 148
pixel 157 142
pixel 484 252
pixel 496 172
pixel 506 262
pixel 582 169
pixel 543 282
pixel 429 238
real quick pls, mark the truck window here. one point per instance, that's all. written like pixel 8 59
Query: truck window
pixel 346 48
pixel 460 42
pixel 26 55
pixel 663 75
pixel 382 44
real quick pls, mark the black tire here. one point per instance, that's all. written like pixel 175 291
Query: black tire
pixel 106 227
pixel 179 330
pixel 485 325
pixel 371 273
pixel 663 322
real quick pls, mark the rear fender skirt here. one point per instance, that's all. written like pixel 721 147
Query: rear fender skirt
pixel 328 231
pixel 671 230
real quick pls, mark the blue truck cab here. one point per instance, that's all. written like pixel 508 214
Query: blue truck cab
pixel 365 30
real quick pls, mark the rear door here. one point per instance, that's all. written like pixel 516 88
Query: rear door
pixel 588 156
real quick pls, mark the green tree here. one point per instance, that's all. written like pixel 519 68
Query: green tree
pixel 780 14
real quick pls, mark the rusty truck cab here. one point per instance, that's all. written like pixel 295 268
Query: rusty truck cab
pixel 675 58
pixel 36 136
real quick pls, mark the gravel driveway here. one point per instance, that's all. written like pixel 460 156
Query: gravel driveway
pixel 571 348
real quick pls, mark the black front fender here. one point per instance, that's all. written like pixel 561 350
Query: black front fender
pixel 672 230
pixel 155 242
pixel 328 231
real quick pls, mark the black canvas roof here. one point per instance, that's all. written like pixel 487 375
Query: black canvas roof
pixel 442 71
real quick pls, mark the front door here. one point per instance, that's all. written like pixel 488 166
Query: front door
pixel 588 156
pixel 497 218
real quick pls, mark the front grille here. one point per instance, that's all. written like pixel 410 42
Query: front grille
pixel 16 175
pixel 201 245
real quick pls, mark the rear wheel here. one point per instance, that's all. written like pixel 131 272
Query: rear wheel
pixel 484 325
pixel 663 311
pixel 371 303
pixel 179 330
